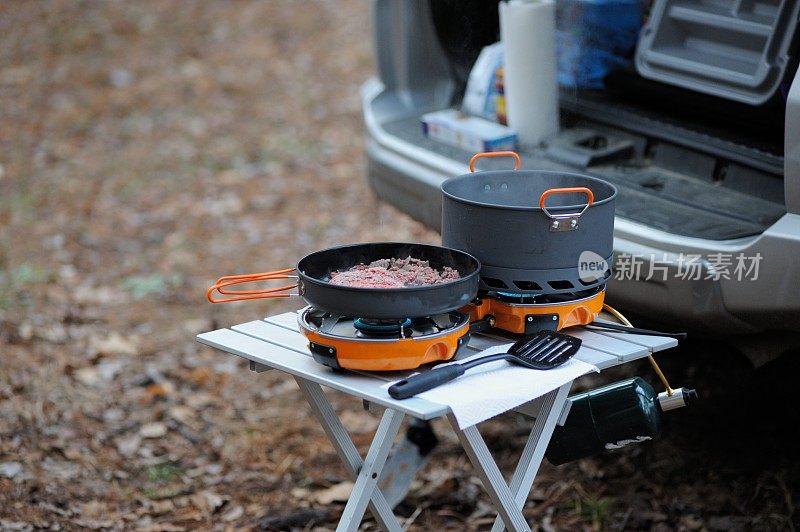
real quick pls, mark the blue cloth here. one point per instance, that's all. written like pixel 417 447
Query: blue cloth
pixel 594 37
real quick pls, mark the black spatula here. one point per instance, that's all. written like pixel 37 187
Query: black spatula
pixel 544 350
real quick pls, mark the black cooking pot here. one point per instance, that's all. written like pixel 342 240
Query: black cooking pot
pixel 313 282
pixel 534 232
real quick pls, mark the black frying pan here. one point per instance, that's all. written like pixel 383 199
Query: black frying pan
pixel 314 270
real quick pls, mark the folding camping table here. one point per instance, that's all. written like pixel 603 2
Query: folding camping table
pixel 276 343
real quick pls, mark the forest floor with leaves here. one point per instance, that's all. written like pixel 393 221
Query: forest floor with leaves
pixel 147 148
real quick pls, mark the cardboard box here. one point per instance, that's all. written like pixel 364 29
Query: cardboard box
pixel 469 133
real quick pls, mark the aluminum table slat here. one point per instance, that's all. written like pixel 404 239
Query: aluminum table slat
pixel 625 351
pixel 275 334
pixel 653 343
pixel 305 367
pixel 287 319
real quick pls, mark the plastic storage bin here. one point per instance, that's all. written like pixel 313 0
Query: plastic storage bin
pixel 734 49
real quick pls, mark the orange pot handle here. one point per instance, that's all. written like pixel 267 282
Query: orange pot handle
pixel 223 283
pixel 515 155
pixel 549 192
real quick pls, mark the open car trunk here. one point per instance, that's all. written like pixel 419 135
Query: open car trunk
pixel 687 163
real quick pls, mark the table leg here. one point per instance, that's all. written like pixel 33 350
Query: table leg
pixel 490 475
pixel 367 482
pixel 347 451
pixel 532 455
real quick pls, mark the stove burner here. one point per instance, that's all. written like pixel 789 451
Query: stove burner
pixel 372 327
pixel 382 345
pixel 513 297
pixel 542 299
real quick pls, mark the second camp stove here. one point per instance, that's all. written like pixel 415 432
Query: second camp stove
pixel 382 344
pixel 528 314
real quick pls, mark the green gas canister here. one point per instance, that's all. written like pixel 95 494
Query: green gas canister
pixel 612 417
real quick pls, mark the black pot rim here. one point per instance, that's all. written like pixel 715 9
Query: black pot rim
pixel 524 174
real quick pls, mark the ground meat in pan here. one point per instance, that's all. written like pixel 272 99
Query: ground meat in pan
pixel 393 273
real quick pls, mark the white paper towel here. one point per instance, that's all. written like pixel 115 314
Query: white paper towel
pixel 491 389
pixel 527 29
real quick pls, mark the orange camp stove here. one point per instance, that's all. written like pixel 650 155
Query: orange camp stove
pixel 528 314
pixel 399 344
pixel 382 345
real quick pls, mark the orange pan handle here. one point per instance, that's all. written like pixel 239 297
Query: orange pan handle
pixel 223 283
pixel 549 192
pixel 515 155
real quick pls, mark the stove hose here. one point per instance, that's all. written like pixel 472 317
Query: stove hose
pixel 617 314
